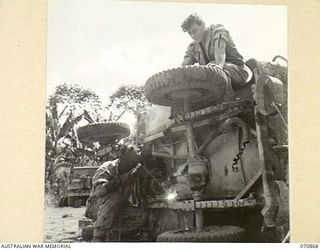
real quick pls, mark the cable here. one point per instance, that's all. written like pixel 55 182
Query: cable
pixel 151 175
pixel 237 158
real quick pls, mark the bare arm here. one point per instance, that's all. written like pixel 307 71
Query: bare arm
pixel 187 61
pixel 220 51
pixel 188 58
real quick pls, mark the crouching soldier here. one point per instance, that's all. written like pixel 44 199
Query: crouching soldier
pixel 112 186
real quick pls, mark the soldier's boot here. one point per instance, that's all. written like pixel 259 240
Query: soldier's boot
pixel 109 236
pixel 98 235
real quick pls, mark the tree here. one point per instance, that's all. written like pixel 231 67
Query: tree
pixel 66 107
pixel 128 98
pixel 74 98
pixel 131 99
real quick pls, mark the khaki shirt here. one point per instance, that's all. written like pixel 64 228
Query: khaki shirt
pixel 195 54
pixel 105 172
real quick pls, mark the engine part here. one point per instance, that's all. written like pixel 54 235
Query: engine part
pixel 197 173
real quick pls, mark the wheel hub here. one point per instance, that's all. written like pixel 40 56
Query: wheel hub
pixel 186 94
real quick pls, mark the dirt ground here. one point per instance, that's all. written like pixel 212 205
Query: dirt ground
pixel 61 224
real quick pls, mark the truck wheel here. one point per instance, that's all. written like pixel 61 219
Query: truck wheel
pixel 197 83
pixel 70 201
pixel 103 132
pixel 77 203
pixel 278 213
pixel 63 202
pixel 209 234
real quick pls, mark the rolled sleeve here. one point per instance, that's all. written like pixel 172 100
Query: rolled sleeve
pixel 220 32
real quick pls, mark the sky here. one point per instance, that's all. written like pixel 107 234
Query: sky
pixel 102 45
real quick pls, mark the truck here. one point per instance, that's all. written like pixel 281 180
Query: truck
pixel 223 155
pixel 79 186
pixel 80 177
pixel 219 165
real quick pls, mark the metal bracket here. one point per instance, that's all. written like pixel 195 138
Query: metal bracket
pixel 191 205
pixel 220 204
pixel 249 185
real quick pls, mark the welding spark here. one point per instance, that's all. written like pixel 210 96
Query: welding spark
pixel 171 196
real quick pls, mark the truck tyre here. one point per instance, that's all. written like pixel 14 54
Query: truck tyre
pixel 209 234
pixel 196 83
pixel 77 202
pixel 70 201
pixel 103 132
pixel 278 213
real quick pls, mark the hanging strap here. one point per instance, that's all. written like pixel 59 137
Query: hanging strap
pixel 206 59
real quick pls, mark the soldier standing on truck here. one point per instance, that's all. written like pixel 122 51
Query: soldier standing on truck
pixel 213 45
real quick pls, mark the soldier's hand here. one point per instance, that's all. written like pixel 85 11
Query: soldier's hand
pixel 213 64
pixel 146 154
pixel 135 172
